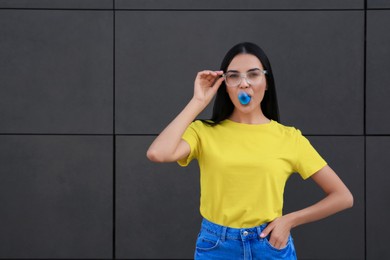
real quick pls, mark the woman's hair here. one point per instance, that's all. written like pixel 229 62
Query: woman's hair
pixel 223 106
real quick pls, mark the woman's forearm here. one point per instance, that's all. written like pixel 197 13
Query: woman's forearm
pixel 164 146
pixel 331 204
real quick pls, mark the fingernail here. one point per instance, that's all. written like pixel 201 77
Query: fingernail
pixel 262 235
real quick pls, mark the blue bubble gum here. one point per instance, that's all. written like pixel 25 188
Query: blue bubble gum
pixel 244 98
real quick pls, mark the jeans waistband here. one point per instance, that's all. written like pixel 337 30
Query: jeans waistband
pixel 232 233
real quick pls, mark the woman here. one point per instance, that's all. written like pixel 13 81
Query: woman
pixel 245 157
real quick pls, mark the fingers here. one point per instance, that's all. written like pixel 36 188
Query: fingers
pixel 278 242
pixel 209 74
pixel 218 83
pixel 208 78
pixel 267 230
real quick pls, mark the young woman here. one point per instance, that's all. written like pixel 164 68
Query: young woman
pixel 245 157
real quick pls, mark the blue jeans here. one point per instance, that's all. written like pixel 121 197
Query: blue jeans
pixel 220 242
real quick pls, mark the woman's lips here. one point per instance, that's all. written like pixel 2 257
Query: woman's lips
pixel 244 97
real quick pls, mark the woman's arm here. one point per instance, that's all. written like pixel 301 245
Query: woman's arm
pixel 338 198
pixel 168 146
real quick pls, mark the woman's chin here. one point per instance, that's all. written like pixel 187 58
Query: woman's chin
pixel 246 109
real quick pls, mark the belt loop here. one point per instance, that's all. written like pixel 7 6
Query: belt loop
pixel 223 235
pixel 258 231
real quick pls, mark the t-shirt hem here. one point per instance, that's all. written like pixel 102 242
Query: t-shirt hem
pixel 185 161
pixel 315 171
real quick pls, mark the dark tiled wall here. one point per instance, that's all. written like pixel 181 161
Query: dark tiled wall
pixel 86 85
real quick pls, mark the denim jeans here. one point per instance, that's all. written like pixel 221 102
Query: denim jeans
pixel 220 242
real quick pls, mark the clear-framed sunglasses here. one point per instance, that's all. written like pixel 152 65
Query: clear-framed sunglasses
pixel 252 77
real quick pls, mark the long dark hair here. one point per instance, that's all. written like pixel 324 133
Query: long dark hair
pixel 223 106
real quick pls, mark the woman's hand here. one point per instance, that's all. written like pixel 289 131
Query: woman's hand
pixel 280 228
pixel 206 85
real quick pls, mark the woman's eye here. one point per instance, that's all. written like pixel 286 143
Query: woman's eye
pixel 233 76
pixel 253 75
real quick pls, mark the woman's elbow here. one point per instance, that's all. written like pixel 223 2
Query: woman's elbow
pixel 349 200
pixel 155 156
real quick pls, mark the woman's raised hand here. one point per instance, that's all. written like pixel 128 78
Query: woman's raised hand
pixel 206 85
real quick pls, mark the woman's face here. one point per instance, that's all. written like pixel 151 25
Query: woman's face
pixel 243 63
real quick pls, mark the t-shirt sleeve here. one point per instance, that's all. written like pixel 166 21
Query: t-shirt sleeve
pixel 308 160
pixel 191 136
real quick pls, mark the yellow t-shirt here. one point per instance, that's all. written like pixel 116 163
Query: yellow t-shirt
pixel 244 168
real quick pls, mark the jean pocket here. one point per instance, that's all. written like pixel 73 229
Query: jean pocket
pixel 278 249
pixel 207 241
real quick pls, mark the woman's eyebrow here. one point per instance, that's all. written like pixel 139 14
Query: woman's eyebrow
pixel 238 71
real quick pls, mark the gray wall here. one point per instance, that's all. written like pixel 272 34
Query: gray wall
pixel 87 85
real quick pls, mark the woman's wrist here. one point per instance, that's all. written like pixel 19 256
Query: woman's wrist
pixel 198 104
pixel 292 219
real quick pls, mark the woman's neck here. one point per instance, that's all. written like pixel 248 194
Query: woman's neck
pixel 249 118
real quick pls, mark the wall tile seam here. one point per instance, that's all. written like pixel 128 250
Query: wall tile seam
pixel 114 140
pixel 145 134
pixel 197 9
pixel 319 135
pixel 56 9
pixel 244 9
pixel 53 134
pixel 378 9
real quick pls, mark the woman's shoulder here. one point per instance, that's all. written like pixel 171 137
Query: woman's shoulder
pixel 200 124
pixel 288 130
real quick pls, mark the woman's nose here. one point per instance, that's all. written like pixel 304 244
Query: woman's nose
pixel 244 83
